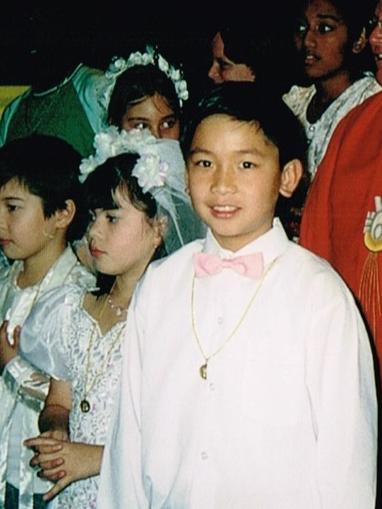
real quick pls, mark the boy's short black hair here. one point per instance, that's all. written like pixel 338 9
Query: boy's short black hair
pixel 251 102
pixel 48 167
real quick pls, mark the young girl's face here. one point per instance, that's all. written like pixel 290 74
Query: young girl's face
pixel 155 114
pixel 24 231
pixel 122 240
pixel 234 179
pixel 321 38
pixel 224 69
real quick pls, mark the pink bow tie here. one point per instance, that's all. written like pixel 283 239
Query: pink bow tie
pixel 248 265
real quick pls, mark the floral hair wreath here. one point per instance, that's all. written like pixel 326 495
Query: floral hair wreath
pixel 160 171
pixel 151 56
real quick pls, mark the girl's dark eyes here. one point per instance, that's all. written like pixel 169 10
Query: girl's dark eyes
pixel 12 208
pixel 109 216
pixel 324 28
pixel 168 124
pixel 301 29
pixel 321 28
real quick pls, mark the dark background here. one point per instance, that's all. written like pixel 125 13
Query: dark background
pixel 49 39
pixel 35 38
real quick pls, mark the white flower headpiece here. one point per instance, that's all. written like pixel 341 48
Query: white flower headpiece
pixel 118 65
pixel 160 171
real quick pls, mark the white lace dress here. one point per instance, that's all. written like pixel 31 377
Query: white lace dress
pixel 63 353
pixel 320 132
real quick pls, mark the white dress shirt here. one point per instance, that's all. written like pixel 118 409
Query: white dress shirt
pixel 287 418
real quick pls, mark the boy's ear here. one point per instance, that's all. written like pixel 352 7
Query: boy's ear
pixel 65 216
pixel 290 177
pixel 360 43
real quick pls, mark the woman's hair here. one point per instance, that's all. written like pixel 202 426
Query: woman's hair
pixel 100 189
pixel 137 83
pixel 48 167
pixel 259 45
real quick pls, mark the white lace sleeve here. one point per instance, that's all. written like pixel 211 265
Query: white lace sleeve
pixel 44 334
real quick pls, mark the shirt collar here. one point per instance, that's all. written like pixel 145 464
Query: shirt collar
pixel 272 244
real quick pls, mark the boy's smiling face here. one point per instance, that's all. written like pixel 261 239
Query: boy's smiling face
pixel 234 179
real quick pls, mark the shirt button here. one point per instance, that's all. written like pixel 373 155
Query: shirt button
pixel 212 386
pixel 204 455
pixel 220 320
pixel 311 128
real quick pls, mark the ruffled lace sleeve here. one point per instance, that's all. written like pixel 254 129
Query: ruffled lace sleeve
pixel 44 336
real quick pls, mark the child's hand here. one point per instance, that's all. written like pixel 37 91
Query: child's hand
pixel 49 442
pixel 44 442
pixel 8 351
pixel 67 462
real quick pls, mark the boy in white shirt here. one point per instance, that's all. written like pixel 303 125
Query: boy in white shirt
pixel 248 377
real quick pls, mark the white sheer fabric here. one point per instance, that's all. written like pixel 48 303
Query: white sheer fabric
pixel 62 351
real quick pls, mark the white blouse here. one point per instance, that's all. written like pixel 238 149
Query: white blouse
pixel 287 417
pixel 319 133
pixel 62 351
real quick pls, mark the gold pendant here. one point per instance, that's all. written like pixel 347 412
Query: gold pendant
pixel 85 406
pixel 203 371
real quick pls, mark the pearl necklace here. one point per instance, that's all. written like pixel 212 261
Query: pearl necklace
pixel 119 310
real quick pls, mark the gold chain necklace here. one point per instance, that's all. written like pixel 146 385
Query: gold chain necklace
pixel 85 404
pixel 204 366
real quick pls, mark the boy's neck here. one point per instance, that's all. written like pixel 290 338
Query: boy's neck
pixel 235 244
pixel 36 267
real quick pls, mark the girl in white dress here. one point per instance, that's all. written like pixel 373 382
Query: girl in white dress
pixel 137 200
